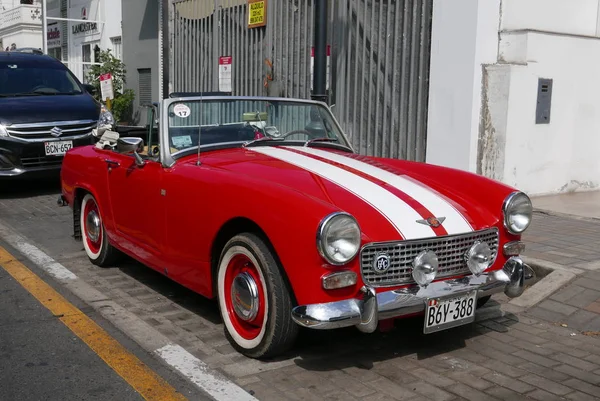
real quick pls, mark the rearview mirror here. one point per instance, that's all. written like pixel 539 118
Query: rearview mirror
pixel 131 145
pixel 255 116
pixel 89 89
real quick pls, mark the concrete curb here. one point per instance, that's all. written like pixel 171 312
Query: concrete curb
pixel 565 215
pixel 208 380
pixel 551 277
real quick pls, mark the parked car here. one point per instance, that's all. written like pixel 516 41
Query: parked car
pixel 44 111
pixel 276 217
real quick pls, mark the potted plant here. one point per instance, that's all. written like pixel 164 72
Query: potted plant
pixel 122 104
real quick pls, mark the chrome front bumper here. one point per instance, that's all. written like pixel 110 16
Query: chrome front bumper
pixel 365 313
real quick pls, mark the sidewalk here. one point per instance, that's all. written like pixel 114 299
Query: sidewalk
pixel 565 236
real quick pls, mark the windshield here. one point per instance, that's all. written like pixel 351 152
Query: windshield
pixel 28 78
pixel 253 122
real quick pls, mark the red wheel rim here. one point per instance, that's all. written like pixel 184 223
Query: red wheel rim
pixel 91 211
pixel 241 266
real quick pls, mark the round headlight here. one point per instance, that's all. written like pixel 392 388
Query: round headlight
pixel 479 257
pixel 338 238
pixel 517 211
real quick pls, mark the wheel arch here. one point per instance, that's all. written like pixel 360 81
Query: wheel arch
pixel 228 230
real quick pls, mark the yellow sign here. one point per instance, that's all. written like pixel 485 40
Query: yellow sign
pixel 257 13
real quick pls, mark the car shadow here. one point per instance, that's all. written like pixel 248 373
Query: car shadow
pixel 327 350
pixel 29 188
pixel 177 293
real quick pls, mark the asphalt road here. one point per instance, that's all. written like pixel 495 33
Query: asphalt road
pixel 42 359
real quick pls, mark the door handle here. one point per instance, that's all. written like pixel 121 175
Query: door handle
pixel 112 163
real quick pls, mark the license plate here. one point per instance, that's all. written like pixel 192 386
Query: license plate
pixel 446 312
pixel 57 148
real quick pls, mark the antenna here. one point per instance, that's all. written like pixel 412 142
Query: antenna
pixel 199 131
pixel 200 127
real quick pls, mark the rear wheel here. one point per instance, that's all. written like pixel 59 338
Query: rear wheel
pixel 253 298
pixel 95 241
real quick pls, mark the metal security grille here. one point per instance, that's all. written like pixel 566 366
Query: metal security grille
pixel 144 86
pixel 450 251
pixel 378 70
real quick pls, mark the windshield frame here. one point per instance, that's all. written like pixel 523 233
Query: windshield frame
pixel 166 157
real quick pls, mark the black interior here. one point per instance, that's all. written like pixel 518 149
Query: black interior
pixel 214 134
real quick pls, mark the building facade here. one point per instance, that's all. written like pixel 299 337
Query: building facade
pixel 140 38
pixel 513 92
pixel 20 24
pixel 96 26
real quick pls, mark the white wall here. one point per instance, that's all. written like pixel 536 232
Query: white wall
pixel 563 155
pixel 464 37
pixel 483 92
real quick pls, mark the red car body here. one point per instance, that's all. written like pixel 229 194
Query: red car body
pixel 176 219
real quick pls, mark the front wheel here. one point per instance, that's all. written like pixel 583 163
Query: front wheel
pixel 95 241
pixel 253 299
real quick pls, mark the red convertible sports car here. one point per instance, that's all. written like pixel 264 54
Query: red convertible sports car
pixel 262 204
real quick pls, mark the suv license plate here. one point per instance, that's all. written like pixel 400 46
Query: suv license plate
pixel 446 312
pixel 57 148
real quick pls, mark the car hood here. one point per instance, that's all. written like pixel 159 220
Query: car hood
pixel 34 109
pixel 391 199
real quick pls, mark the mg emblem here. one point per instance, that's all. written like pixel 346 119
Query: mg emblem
pixel 432 221
pixel 56 132
pixel 381 263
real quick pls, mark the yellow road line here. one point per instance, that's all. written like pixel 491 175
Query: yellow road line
pixel 139 376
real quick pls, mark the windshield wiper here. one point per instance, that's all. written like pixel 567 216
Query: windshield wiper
pixel 262 139
pixel 23 94
pixel 323 139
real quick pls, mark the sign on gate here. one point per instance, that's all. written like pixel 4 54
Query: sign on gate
pixel 257 13
pixel 106 86
pixel 312 65
pixel 225 74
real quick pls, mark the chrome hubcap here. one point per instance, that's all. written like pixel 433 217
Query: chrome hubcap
pixel 92 226
pixel 244 296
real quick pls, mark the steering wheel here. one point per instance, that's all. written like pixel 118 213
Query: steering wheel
pixel 297 131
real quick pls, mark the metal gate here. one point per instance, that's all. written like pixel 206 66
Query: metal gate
pixel 378 71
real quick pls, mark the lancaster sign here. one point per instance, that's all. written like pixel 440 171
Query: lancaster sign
pixel 84 27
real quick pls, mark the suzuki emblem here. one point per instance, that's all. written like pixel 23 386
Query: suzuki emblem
pixel 432 221
pixel 56 132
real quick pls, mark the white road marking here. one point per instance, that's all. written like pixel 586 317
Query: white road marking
pixel 401 215
pixel 198 372
pixel 455 222
pixel 37 256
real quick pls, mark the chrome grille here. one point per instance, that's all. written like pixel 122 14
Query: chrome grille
pixel 41 161
pixel 450 251
pixel 39 131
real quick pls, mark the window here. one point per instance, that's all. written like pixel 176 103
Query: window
pixel 90 53
pixel 144 86
pixel 117 47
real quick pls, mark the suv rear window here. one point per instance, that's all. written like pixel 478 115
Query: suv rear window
pixel 36 78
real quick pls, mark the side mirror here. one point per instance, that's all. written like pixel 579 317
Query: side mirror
pixel 132 145
pixel 89 88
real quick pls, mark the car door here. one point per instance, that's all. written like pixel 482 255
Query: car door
pixel 136 203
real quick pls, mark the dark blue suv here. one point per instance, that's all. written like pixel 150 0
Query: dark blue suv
pixel 44 111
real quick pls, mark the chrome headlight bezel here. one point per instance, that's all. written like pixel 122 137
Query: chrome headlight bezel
pixel 105 117
pixel 508 210
pixel 322 235
pixel 3 131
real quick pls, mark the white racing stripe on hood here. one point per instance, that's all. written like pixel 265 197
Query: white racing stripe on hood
pixel 455 222
pixel 402 216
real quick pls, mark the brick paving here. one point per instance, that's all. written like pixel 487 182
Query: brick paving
pixel 503 356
